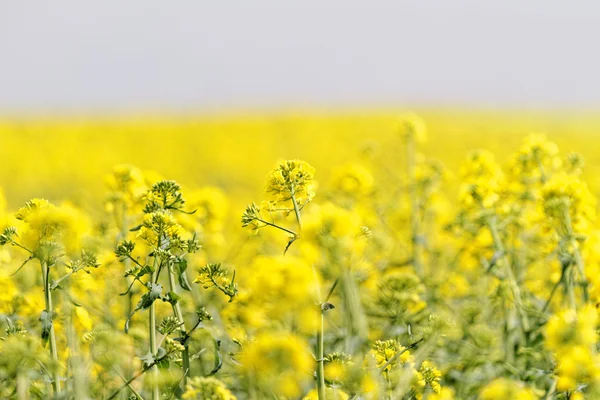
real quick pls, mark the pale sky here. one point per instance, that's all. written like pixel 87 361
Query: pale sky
pixel 79 55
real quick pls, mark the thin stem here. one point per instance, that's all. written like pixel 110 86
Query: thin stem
pixel 52 336
pixel 551 391
pixel 320 356
pixel 152 333
pixel 388 388
pixel 62 278
pixel 570 288
pixel 335 283
pixel 179 315
pixel 136 376
pixel 128 383
pixel 581 271
pixel 21 246
pixel 277 226
pixel 320 345
pixel 516 291
pixel 297 212
pixel 576 254
pixel 556 285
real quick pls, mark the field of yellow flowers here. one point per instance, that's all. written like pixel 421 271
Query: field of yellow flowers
pixel 300 256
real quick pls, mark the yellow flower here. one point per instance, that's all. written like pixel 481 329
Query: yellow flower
pixel 280 362
pixel 565 196
pixel 412 125
pixel 431 375
pixel 331 222
pixel 48 227
pixel 207 388
pixel 570 327
pixel 157 225
pixel 127 185
pixel 390 353
pixel 353 180
pixel 291 178
pixel 505 389
pixel 331 393
pixel 445 393
pixel 536 159
pixel 482 180
pixel 7 294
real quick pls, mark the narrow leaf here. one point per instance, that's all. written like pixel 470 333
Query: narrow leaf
pixel 182 276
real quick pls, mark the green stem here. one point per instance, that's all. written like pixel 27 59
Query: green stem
pixel 152 333
pixel 297 213
pixel 49 311
pixel 136 376
pixel 570 289
pixel 516 291
pixel 277 226
pixel 388 389
pixel 179 315
pixel 22 386
pixel 581 271
pixel 320 345
pixel 320 357
pixel 21 246
pixel 576 255
pixel 554 288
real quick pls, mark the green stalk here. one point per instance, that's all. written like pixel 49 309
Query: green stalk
pixel 53 351
pixel 570 288
pixel 516 291
pixel 152 333
pixel 576 255
pixel 297 213
pixel 22 386
pixel 75 360
pixel 179 315
pixel 320 358
pixel 133 378
pixel 127 263
pixel 323 306
pixel 388 390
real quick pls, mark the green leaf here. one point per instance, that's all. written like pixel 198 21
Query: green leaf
pixel 162 359
pixel 173 298
pixel 218 359
pixel 46 320
pixel 145 270
pixel 154 292
pixel 136 228
pixel 22 265
pixel 148 298
pixel 68 295
pixel 147 360
pixel 197 355
pixel 182 276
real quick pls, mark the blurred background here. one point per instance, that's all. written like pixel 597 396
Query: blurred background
pixel 200 90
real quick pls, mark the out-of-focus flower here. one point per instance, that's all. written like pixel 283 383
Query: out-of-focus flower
pixel 279 362
pixel 353 180
pixel 207 388
pixel 413 125
pixel 505 389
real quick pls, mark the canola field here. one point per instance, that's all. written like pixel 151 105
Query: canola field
pixel 315 256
